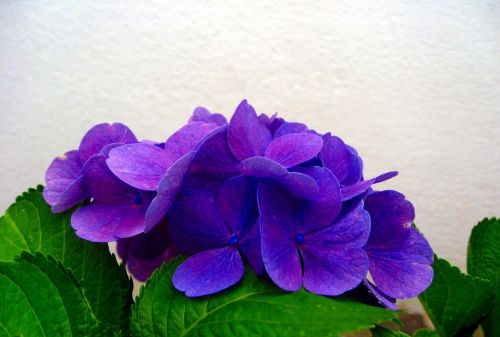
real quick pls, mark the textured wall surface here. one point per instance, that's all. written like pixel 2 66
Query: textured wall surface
pixel 414 87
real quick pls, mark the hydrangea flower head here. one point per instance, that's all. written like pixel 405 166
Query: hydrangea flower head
pixel 290 202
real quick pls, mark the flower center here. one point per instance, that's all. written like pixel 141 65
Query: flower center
pixel 299 238
pixel 138 200
pixel 233 240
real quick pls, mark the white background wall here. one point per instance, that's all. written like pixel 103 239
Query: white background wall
pixel 414 86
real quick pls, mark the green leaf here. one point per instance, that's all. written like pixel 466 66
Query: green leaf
pixel 384 332
pixel 425 333
pixel 483 257
pixel 455 301
pixel 483 260
pixel 254 307
pixel 38 297
pixel 29 225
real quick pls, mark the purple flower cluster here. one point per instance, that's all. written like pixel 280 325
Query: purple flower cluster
pixel 290 202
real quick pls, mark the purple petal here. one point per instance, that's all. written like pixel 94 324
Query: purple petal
pixel 209 272
pixel 334 260
pixel 65 186
pixel 290 128
pixel 382 298
pixel 237 203
pixel 195 223
pixel 139 165
pixel 294 148
pixel 262 167
pixel 200 114
pixel 246 136
pixel 272 123
pixel 101 135
pixel 213 159
pixel 391 217
pixel 332 272
pixel 249 245
pixel 405 272
pixel 144 253
pixel 278 227
pixel 362 186
pixel 103 186
pixel 300 185
pixel 105 223
pixel 323 209
pixel 400 257
pixel 168 189
pixel 187 139
pixel 341 159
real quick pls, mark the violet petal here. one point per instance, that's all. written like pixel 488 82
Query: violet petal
pixel 187 138
pixel 237 204
pixel 201 114
pixel 105 223
pixel 323 209
pixel 341 159
pixel 168 189
pixel 139 165
pixel 209 272
pixel 103 185
pixel 334 261
pixel 64 185
pixel 279 252
pixel 213 159
pixel 362 186
pixel 290 128
pixel 382 298
pixel 294 148
pixel 101 135
pixel 195 223
pixel 246 136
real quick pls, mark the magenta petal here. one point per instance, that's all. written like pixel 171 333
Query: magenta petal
pixel 341 159
pixel 187 139
pixel 209 272
pixel 382 298
pixel 362 186
pixel 237 204
pixel 105 223
pixel 262 167
pixel 404 272
pixel 278 227
pixel 213 159
pixel 139 165
pixel 200 114
pixel 101 135
pixel 103 185
pixel 290 128
pixel 300 185
pixel 65 186
pixel 294 148
pixel 323 209
pixel 246 135
pixel 168 189
pixel 195 223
